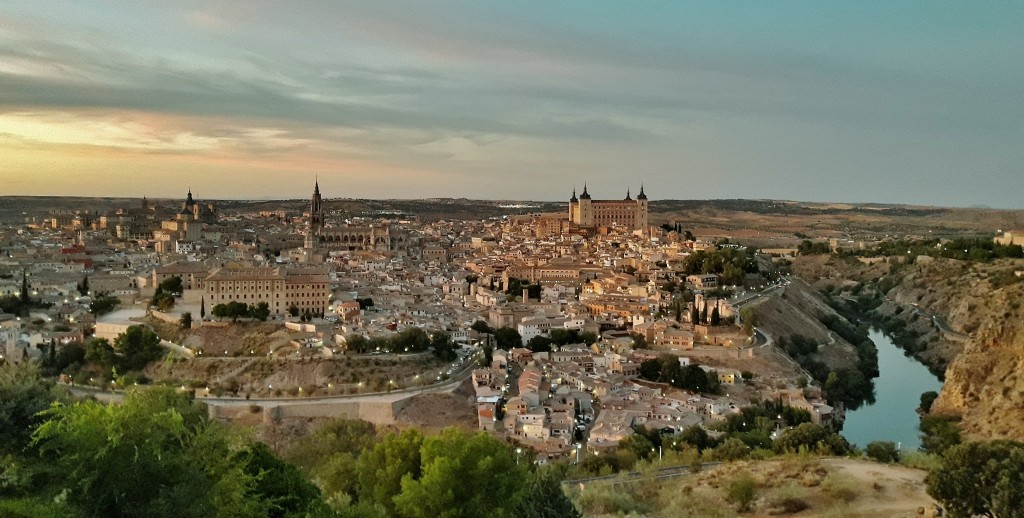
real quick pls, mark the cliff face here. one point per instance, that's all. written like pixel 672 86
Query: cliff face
pixel 985 383
pixel 969 321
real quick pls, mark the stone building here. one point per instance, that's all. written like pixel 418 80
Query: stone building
pixel 592 214
pixel 308 289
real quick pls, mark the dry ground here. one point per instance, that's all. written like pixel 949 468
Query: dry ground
pixel 819 488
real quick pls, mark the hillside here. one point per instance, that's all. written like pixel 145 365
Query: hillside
pixel 963 319
pixel 789 487
pixel 797 309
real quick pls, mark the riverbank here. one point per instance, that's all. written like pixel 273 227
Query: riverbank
pixel 893 416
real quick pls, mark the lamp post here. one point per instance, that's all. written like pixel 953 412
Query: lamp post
pixel 518 451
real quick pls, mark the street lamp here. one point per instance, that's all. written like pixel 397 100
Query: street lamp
pixel 518 451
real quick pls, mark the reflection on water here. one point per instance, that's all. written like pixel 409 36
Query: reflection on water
pixel 898 389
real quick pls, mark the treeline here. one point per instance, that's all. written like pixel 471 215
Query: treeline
pixel 850 386
pixel 412 340
pixel 964 249
pixel 235 310
pixel 666 369
pixel 166 292
pixel 364 471
pixel 158 455
pixel 731 264
pixel 558 338
pixel 808 247
pixel 745 435
pixel 121 361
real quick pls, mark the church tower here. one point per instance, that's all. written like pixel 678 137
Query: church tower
pixel 316 219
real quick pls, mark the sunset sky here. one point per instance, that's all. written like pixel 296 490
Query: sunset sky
pixel 905 102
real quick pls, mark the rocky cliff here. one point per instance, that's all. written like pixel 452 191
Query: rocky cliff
pixel 985 383
pixel 963 318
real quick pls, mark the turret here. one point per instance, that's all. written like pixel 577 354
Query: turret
pixel 641 196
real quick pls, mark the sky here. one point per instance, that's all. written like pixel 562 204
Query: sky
pixel 874 101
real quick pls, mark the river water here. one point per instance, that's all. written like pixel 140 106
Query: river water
pixel 898 387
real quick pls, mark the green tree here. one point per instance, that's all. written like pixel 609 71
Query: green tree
pixel 716 319
pixel 294 310
pixel 481 327
pixel 83 287
pixel 137 346
pixel 153 455
pixel 186 320
pixel 329 454
pixel 651 370
pixel 539 344
pixel 162 300
pixel 261 311
pixel 99 351
pixel 442 345
pixel 172 285
pixel 23 394
pixel 412 339
pixel 939 433
pixel 507 338
pixel 464 475
pixel 731 449
pixel 927 398
pixel 639 341
pixel 882 451
pixel 103 304
pixel 696 437
pixel 237 310
pixel 980 479
pixel 749 318
pixel 381 471
pixel 547 500
pixel 25 300
pixel 281 487
pixel 202 309
pixel 220 311
pixel 357 343
pixel 813 438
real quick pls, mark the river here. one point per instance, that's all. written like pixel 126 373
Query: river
pixel 898 387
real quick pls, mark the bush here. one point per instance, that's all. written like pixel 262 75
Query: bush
pixel 841 488
pixel 883 451
pixel 742 491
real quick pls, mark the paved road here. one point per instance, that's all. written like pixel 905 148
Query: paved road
pixel 383 397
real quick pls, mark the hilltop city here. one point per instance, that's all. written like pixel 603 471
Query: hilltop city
pixel 550 316
pixel 585 337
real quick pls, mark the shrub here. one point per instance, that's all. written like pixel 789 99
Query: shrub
pixel 742 491
pixel 883 451
pixel 841 488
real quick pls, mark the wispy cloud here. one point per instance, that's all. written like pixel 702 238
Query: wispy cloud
pixel 473 93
